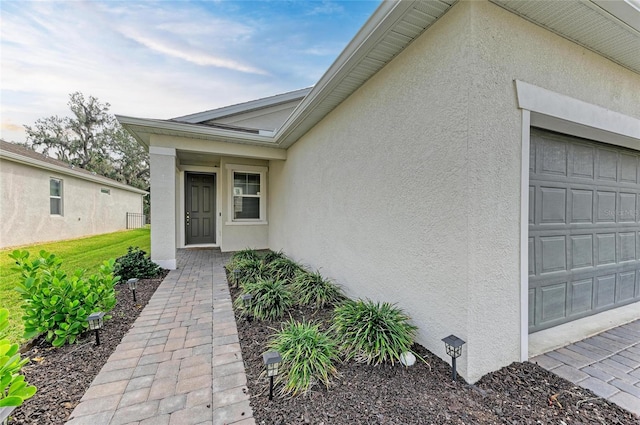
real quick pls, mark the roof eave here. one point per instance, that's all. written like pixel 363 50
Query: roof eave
pixel 141 128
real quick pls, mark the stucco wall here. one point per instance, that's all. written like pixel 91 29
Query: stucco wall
pixel 24 206
pixel 409 191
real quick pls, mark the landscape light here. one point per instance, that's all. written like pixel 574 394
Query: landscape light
pixel 132 285
pixel 453 345
pixel 246 303
pixel 236 276
pixel 95 324
pixel 272 360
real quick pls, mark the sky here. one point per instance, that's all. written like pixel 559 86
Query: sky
pixel 163 59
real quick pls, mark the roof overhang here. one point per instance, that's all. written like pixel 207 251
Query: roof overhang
pixel 610 28
pixel 94 178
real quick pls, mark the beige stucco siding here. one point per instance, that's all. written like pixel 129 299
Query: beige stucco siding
pixel 409 191
pixel 376 195
pixel 24 206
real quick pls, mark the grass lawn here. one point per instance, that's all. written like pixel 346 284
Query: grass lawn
pixel 86 253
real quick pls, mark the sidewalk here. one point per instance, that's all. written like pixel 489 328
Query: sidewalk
pixel 607 364
pixel 181 361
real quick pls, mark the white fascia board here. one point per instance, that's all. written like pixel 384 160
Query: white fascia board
pixel 555 107
pixel 627 11
pixel 10 156
pixel 383 19
pixel 194 130
pixel 244 107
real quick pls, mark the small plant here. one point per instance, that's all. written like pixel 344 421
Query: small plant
pixel 13 388
pixel 372 332
pixel 308 356
pixel 252 270
pixel 271 299
pixel 240 256
pixel 273 255
pixel 312 289
pixel 284 269
pixel 58 305
pixel 135 264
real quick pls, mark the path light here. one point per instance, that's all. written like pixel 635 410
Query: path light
pixel 272 360
pixel 95 324
pixel 246 303
pixel 454 349
pixel 236 276
pixel 132 285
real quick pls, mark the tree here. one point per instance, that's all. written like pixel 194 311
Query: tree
pixel 91 139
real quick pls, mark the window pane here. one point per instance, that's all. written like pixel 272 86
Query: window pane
pixel 248 208
pixel 55 206
pixel 54 187
pixel 246 184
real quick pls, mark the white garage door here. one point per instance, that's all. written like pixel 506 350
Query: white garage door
pixel 584 228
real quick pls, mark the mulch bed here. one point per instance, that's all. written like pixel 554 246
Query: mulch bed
pixel 62 375
pixel 521 393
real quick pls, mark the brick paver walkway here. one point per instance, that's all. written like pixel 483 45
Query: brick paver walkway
pixel 608 364
pixel 181 361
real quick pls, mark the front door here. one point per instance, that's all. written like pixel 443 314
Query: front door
pixel 200 208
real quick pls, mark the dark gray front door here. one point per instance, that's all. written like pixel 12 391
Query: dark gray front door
pixel 584 228
pixel 200 208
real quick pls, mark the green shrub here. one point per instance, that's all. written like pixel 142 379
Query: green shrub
pixel 273 255
pixel 308 356
pixel 240 256
pixel 13 388
pixel 252 270
pixel 135 264
pixel 58 305
pixel 312 289
pixel 372 332
pixel 271 299
pixel 283 269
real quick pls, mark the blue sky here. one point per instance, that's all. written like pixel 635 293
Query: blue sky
pixel 161 59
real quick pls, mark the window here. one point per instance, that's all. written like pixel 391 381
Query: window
pixel 247 192
pixel 55 196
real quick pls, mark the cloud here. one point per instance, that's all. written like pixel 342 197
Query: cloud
pixel 327 7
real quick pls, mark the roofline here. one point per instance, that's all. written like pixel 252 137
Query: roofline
pixel 194 130
pixel 22 159
pixel 251 105
pixel 384 17
pixel 628 11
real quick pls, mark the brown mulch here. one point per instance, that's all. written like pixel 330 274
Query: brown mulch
pixel 521 393
pixel 62 375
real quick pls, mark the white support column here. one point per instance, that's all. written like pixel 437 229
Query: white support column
pixel 163 206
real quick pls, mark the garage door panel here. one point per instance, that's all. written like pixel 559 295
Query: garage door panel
pixel 582 161
pixel 584 235
pixel 553 254
pixel 553 302
pixel 606 248
pixel 628 168
pixel 626 286
pixel 581 296
pixel 581 207
pixel 553 202
pixel 607 165
pixel 581 251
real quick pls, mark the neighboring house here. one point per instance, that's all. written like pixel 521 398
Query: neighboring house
pixel 43 199
pixel 476 162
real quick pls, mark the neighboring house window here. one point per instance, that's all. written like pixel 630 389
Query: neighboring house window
pixel 248 193
pixel 107 191
pixel 55 196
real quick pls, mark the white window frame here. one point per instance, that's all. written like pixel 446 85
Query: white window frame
pixel 57 197
pixel 251 169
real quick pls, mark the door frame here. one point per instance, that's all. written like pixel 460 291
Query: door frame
pixel 181 213
pixel 553 111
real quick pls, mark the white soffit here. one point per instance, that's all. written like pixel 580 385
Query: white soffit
pixel 610 28
pixel 392 27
